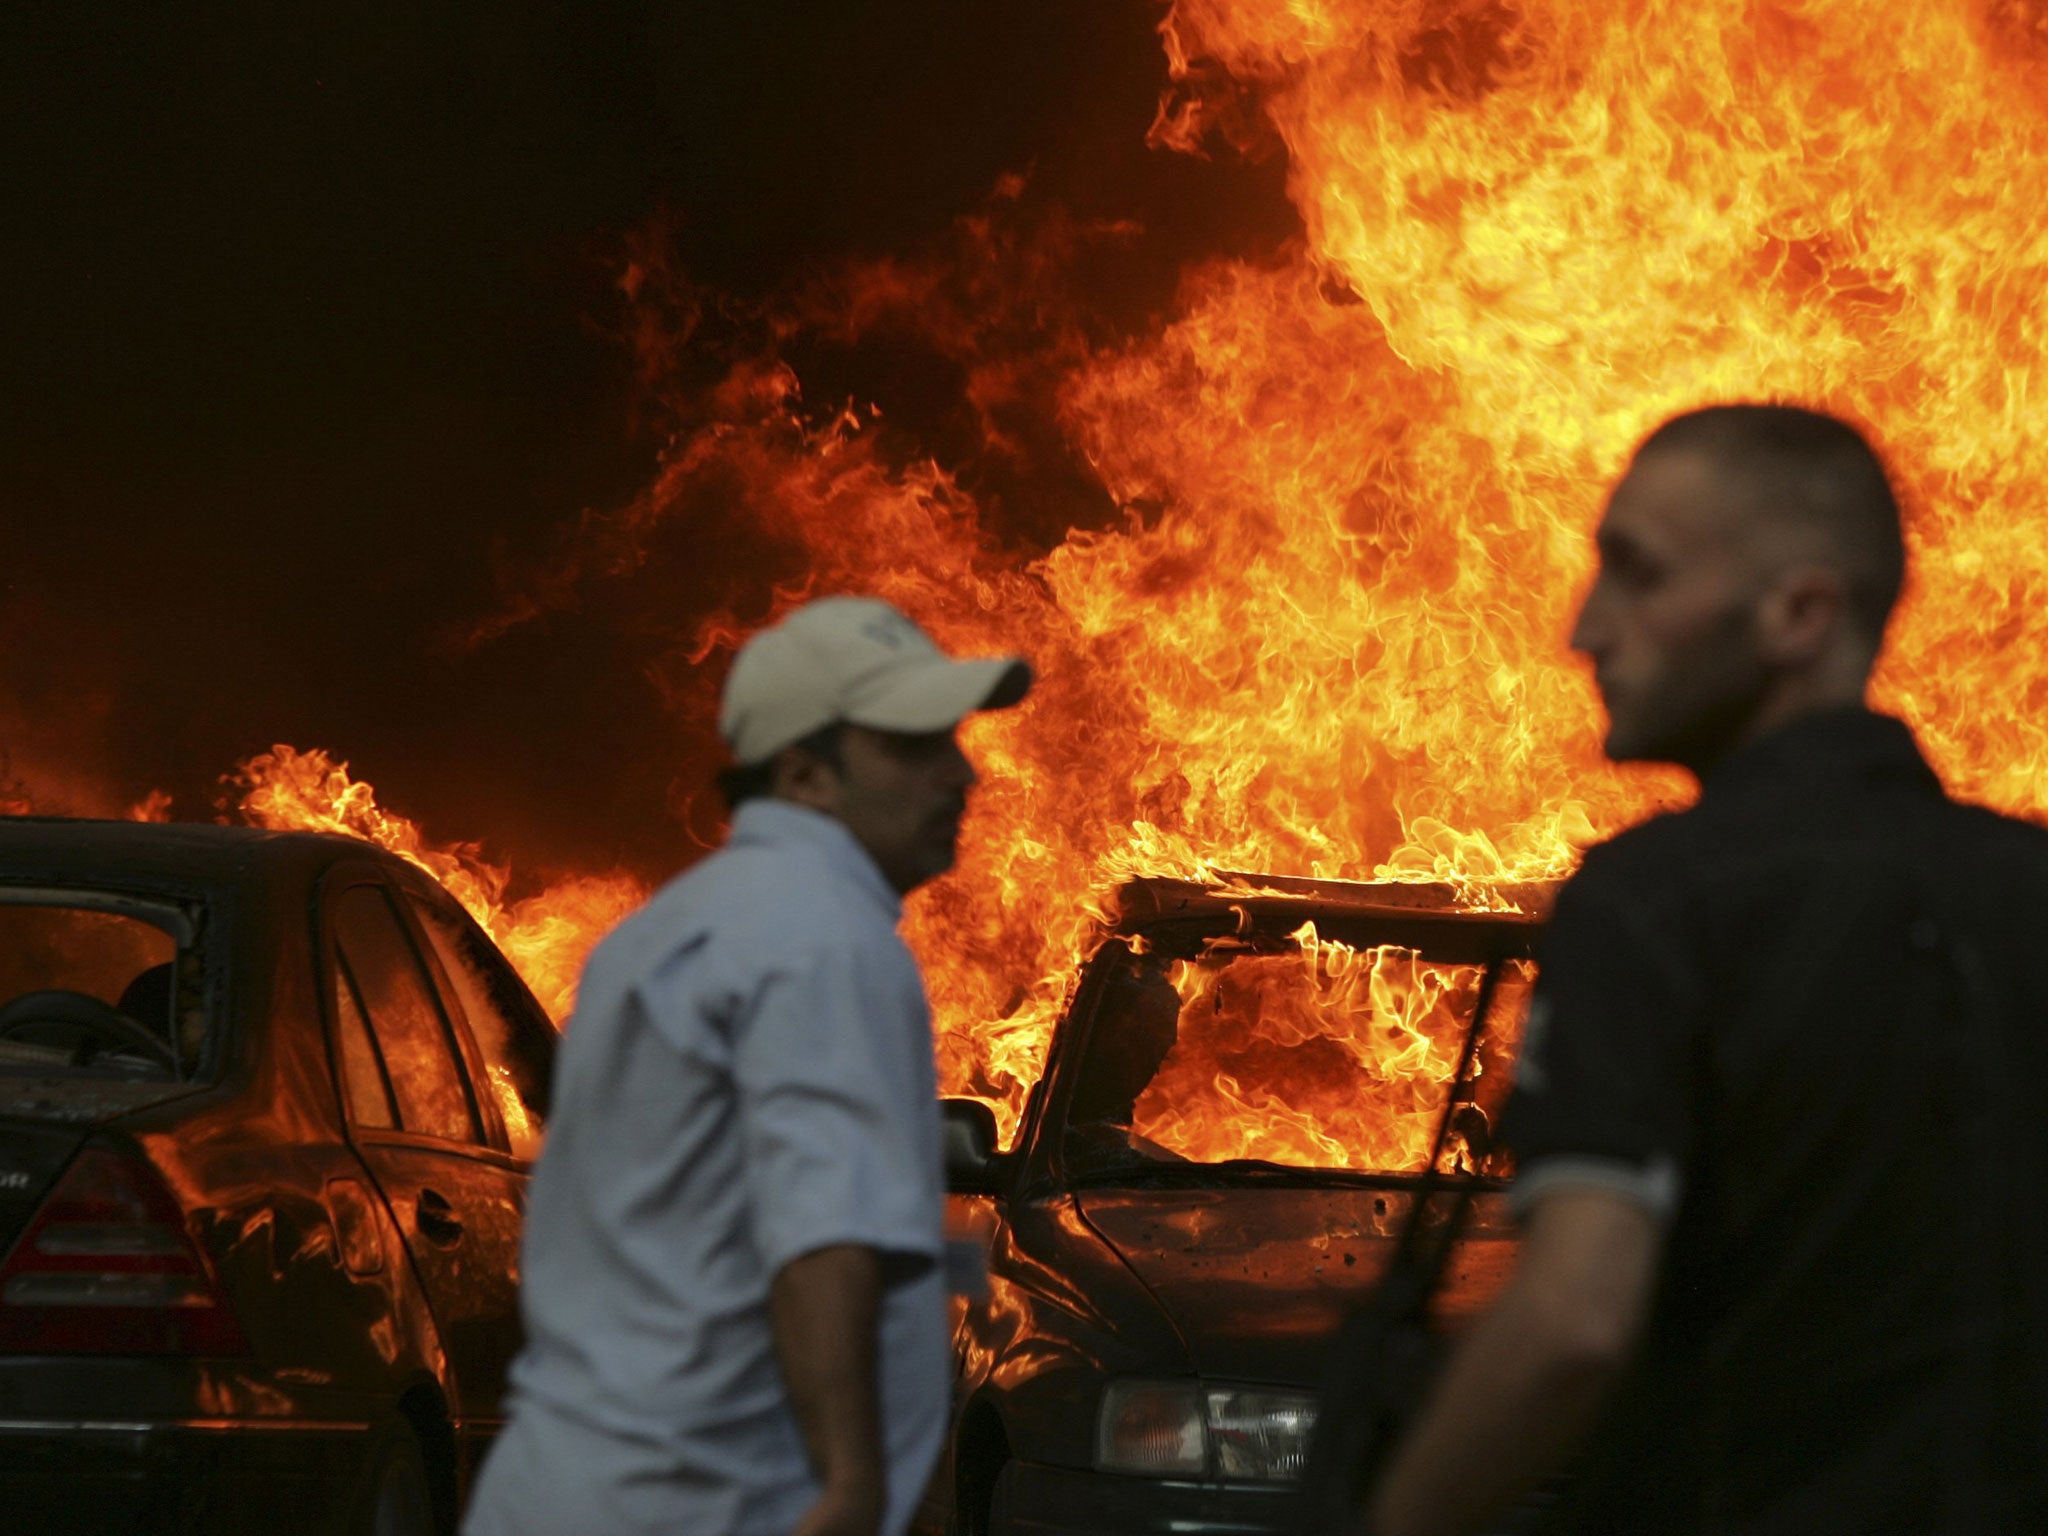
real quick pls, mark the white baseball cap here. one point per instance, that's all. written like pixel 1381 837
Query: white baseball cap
pixel 859 660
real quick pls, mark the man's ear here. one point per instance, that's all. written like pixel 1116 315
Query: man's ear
pixel 807 779
pixel 1802 615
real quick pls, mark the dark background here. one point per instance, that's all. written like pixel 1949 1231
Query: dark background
pixel 312 331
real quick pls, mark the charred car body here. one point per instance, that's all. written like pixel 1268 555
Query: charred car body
pixel 267 1106
pixel 1227 1140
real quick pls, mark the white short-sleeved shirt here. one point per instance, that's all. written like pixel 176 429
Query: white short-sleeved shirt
pixel 748 1077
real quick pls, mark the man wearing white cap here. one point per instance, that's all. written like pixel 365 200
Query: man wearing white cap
pixel 735 1311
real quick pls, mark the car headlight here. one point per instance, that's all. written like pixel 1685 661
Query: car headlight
pixel 1152 1426
pixel 1238 1434
pixel 1260 1435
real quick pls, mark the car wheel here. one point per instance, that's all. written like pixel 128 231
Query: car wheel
pixel 398 1502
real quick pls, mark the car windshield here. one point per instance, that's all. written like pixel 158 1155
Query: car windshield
pixel 1304 1053
pixel 96 983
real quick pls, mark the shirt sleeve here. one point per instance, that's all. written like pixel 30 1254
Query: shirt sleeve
pixel 1605 1088
pixel 838 1146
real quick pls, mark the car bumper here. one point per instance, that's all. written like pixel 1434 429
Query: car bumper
pixel 219 1477
pixel 1059 1501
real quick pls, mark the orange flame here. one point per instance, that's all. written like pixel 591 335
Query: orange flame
pixel 1358 477
pixel 154 806
pixel 545 936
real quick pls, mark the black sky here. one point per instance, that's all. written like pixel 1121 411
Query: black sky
pixel 308 317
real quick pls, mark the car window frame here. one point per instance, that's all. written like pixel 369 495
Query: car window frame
pixel 1043 1166
pixel 338 880
pixel 434 894
pixel 344 986
pixel 187 916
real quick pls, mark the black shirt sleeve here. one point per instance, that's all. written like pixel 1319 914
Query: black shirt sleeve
pixel 1605 1082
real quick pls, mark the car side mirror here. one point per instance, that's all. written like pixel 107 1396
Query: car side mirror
pixel 973 1165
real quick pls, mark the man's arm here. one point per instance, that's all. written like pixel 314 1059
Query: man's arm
pixel 1522 1390
pixel 824 1307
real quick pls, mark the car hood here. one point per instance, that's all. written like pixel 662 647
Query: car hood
pixel 1257 1278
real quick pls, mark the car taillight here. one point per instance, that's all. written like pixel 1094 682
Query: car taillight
pixel 108 1267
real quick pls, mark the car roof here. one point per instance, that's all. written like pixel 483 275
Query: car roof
pixel 1177 915
pixel 166 855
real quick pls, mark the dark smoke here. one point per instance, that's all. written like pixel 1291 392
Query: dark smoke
pixel 322 392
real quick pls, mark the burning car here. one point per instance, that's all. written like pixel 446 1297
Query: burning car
pixel 267 1106
pixel 1234 1117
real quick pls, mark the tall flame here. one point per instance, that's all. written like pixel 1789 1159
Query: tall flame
pixel 1358 476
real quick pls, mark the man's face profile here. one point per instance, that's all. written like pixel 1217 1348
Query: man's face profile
pixel 901 795
pixel 1670 624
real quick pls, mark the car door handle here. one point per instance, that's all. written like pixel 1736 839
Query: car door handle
pixel 436 1217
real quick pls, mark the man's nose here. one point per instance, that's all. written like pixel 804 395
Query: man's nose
pixel 962 766
pixel 1589 631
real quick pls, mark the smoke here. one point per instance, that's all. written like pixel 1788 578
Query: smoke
pixel 328 419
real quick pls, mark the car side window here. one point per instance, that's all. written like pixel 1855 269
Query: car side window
pixel 375 955
pixel 368 1095
pixel 517 1044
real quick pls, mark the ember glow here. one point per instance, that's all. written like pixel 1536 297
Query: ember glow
pixel 1358 477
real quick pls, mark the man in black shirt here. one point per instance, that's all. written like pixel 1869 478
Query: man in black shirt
pixel 1783 1165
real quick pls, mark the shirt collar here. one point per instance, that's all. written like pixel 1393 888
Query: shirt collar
pixel 1832 744
pixel 785 824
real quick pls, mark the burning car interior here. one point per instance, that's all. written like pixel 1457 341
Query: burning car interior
pixel 1279 1050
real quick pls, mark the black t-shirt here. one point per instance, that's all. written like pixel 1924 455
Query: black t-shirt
pixel 1813 1010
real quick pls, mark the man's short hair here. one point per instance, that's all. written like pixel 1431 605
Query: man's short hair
pixel 756 781
pixel 1816 468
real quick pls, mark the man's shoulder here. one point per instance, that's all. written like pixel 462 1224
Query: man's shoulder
pixel 1637 863
pixel 1651 867
pixel 1995 847
pixel 783 906
pixel 1997 829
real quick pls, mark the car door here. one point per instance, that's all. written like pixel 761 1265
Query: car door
pixel 433 1144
